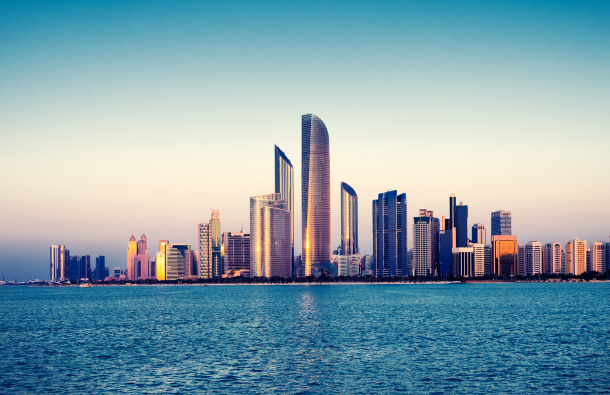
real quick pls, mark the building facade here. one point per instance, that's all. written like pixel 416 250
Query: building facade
pixel 478 259
pixel 349 220
pixel 446 246
pixel 461 225
pixel 597 252
pixel 534 255
pixel 501 223
pixel 210 248
pixel 175 255
pixel 463 262
pixel 270 247
pixel 315 193
pixel 504 255
pixel 160 261
pixel 390 234
pixel 576 256
pixel 59 258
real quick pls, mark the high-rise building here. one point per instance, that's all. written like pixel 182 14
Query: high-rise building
pixel 552 258
pixel 463 262
pixel 576 256
pixel 59 257
pixel 284 184
pixel 425 244
pixel 85 268
pixel 341 262
pixel 349 220
pixel 488 266
pixel 141 267
pixel 461 225
pixel 563 262
pixel 315 193
pixel 446 246
pixel 607 258
pixel 597 256
pixel 479 234
pixel 160 261
pixel 210 248
pixel 533 258
pixel 452 213
pixel 100 268
pixel 132 251
pixel 191 264
pixel 270 248
pixel 521 267
pixel 501 223
pixel 390 234
pixel 175 255
pixel 504 253
pixel 236 251
pixel 478 259
pixel 74 268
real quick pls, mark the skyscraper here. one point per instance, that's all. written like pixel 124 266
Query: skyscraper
pixel 349 220
pixel 390 234
pixel 478 234
pixel 461 225
pixel 425 244
pixel 210 248
pixel 478 259
pixel 446 245
pixel 597 256
pixel 100 268
pixel 533 258
pixel 504 255
pixel 501 223
pixel 521 260
pixel 552 258
pixel 59 257
pixel 607 258
pixel 236 251
pixel 463 262
pixel 132 251
pixel 138 259
pixel 284 184
pixel 576 256
pixel 270 248
pixel 160 262
pixel 315 193
pixel 452 216
pixel 175 255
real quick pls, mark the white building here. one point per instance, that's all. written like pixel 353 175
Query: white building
pixel 533 258
pixel 552 258
pixel 597 256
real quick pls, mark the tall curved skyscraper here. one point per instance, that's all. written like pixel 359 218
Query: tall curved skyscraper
pixel 315 192
pixel 349 220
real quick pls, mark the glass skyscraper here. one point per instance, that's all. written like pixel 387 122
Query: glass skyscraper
pixel 315 193
pixel 349 220
pixel 505 255
pixel 390 234
pixel 501 223
pixel 210 248
pixel 284 184
pixel 174 260
pixel 270 247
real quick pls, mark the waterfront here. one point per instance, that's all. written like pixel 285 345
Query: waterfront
pixel 433 338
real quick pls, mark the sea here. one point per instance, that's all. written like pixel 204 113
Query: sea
pixel 490 338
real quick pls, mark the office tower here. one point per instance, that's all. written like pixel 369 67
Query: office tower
pixel 504 255
pixel 463 264
pixel 175 255
pixel 100 267
pixel 342 265
pixel 368 264
pixel 452 213
pixel 576 256
pixel 534 254
pixel 478 259
pixel 284 184
pixel 59 262
pixel 390 234
pixel 353 262
pixel 237 251
pixel 597 256
pixel 116 272
pixel 563 262
pixel 210 247
pixel 74 268
pixel 461 225
pixel 521 267
pixel 446 246
pixel 487 253
pixel 607 258
pixel 141 267
pixel 132 251
pixel 142 246
pixel 160 261
pixel 349 220
pixel 501 223
pixel 478 234
pixel 270 248
pixel 85 268
pixel 552 258
pixel 191 264
pixel 315 193
pixel 425 244
pixel 588 265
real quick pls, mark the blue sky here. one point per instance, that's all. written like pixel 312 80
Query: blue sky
pixel 139 117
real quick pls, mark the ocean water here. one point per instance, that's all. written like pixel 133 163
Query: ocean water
pixel 287 339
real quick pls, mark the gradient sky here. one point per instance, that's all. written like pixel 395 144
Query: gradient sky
pixel 121 118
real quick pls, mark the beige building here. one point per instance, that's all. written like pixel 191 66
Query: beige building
pixel 552 258
pixel 597 256
pixel 576 256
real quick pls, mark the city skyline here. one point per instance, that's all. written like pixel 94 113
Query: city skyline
pixel 93 98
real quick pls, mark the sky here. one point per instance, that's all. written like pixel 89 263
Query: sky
pixel 132 117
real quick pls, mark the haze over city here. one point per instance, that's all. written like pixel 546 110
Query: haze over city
pixel 131 118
